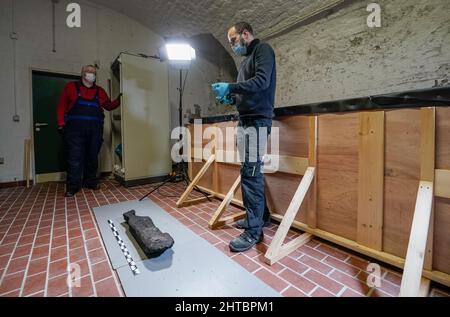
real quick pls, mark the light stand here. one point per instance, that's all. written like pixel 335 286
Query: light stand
pixel 180 168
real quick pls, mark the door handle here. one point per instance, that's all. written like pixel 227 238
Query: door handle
pixel 37 124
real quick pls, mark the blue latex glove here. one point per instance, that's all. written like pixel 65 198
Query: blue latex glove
pixel 221 89
pixel 226 100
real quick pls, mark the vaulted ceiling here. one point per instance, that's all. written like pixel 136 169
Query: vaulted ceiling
pixel 181 17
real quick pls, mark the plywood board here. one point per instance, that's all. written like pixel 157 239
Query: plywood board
pixel 441 242
pixel 280 189
pixel 294 135
pixel 443 138
pixel 337 176
pixel 207 179
pixel 227 175
pixel 402 176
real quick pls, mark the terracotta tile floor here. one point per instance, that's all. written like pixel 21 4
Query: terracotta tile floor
pixel 42 233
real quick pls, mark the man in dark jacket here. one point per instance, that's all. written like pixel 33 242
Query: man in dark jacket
pixel 254 95
pixel 80 120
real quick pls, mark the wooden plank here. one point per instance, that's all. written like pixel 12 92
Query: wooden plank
pixel 229 219
pixel 415 255
pixel 424 290
pixel 196 200
pixel 285 164
pixel 273 252
pixel 427 159
pixel 442 183
pixel 427 144
pixel 215 219
pixel 371 180
pixel 195 181
pixel 311 214
pixel 288 248
pixel 272 163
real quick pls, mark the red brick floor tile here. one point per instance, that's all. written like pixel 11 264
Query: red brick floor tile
pixel 210 238
pixel 293 292
pixel 58 254
pixel 40 252
pixel 394 278
pixel 271 279
pixel 316 265
pixel 12 294
pixel 390 288
pixel 57 286
pixel 312 252
pixel 294 265
pixel 74 233
pixel 60 241
pixel 59 232
pixel 17 265
pixel 42 240
pixel 101 270
pixel 312 244
pixel 11 282
pixel 24 240
pixel 10 238
pixel 37 266
pixel 246 262
pixel 349 293
pixel 96 256
pixel 379 293
pixel 84 289
pixel 320 292
pixel 357 262
pixel 84 267
pixel 58 268
pixel 224 248
pixel 107 288
pixel 324 281
pixel 77 254
pixel 93 244
pixel 298 281
pixel 34 284
pixel 353 283
pixel 4 260
pixel 332 252
pixel 76 243
pixel 90 234
pixel 343 266
pixel 38 294
pixel 274 268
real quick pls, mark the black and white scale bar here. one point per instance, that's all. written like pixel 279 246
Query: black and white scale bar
pixel 124 249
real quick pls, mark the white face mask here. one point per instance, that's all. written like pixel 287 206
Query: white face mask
pixel 90 77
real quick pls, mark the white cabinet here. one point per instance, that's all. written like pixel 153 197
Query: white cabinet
pixel 142 123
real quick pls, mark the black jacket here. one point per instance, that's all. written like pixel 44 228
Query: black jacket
pixel 254 90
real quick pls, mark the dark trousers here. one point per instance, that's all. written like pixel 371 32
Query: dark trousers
pixel 251 142
pixel 82 142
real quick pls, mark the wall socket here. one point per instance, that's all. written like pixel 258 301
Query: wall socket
pixel 2 160
pixel 16 118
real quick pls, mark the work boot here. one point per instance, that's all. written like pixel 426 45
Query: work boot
pixel 244 242
pixel 242 223
pixel 93 187
pixel 71 191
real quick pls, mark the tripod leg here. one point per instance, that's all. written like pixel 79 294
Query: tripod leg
pixel 158 187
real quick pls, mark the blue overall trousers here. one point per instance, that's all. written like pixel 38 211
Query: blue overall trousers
pixel 83 138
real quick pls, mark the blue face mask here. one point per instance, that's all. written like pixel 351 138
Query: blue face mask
pixel 240 48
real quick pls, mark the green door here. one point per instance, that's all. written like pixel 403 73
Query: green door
pixel 48 144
